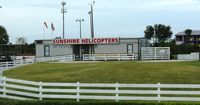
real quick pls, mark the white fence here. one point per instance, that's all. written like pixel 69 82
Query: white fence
pixel 107 57
pixel 29 90
pixel 192 56
pixel 16 63
pixel 155 53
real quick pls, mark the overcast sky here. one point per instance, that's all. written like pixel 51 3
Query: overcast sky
pixel 112 18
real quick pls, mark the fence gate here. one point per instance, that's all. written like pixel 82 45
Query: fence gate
pixel 155 53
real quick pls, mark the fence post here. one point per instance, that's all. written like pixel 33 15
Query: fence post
pixel 133 57
pixel 33 60
pixel 119 57
pixel 22 62
pixel 117 92
pixel 65 57
pixel 105 57
pixel 40 91
pixel 14 63
pixel 78 92
pixel 142 53
pixel 26 61
pixel 73 58
pixel 42 59
pixel 155 52
pixel 94 57
pixel 4 87
pixel 7 65
pixel 83 57
pixel 49 59
pixel 158 91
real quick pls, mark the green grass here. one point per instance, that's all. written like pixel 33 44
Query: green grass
pixel 111 72
pixel 59 102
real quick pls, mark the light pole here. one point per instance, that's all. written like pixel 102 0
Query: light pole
pixel 63 11
pixel 80 21
pixel 91 13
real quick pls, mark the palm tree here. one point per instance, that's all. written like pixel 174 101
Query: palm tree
pixel 188 32
pixel 4 38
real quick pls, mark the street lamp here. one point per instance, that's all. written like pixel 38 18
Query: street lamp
pixel 91 19
pixel 80 21
pixel 63 11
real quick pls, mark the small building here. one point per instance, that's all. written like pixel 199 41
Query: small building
pixel 193 39
pixel 78 47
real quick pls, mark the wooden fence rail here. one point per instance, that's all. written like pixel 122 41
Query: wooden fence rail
pixel 29 90
pixel 16 63
pixel 107 57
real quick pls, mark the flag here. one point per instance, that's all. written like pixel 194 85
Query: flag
pixel 52 27
pixel 45 25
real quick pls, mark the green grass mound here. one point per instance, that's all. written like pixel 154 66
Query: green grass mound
pixel 111 72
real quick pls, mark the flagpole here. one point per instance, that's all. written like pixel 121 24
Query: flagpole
pixel 52 34
pixel 52 29
pixel 44 30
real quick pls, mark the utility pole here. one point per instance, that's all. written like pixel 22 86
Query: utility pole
pixel 80 21
pixel 63 11
pixel 91 13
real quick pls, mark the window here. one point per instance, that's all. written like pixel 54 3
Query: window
pixel 179 38
pixel 39 42
pixel 191 38
pixel 130 48
pixel 46 51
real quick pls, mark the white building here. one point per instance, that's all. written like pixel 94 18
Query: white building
pixel 78 47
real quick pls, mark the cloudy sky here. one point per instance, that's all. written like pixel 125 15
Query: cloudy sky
pixel 112 18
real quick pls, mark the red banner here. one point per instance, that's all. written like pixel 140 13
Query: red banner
pixel 87 41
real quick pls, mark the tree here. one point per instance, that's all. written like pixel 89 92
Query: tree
pixel 159 34
pixel 29 49
pixel 4 38
pixel 188 32
pixel 149 32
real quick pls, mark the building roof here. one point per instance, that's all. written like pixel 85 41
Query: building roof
pixel 194 32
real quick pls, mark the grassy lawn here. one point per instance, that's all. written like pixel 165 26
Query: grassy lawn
pixel 111 72
pixel 61 102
